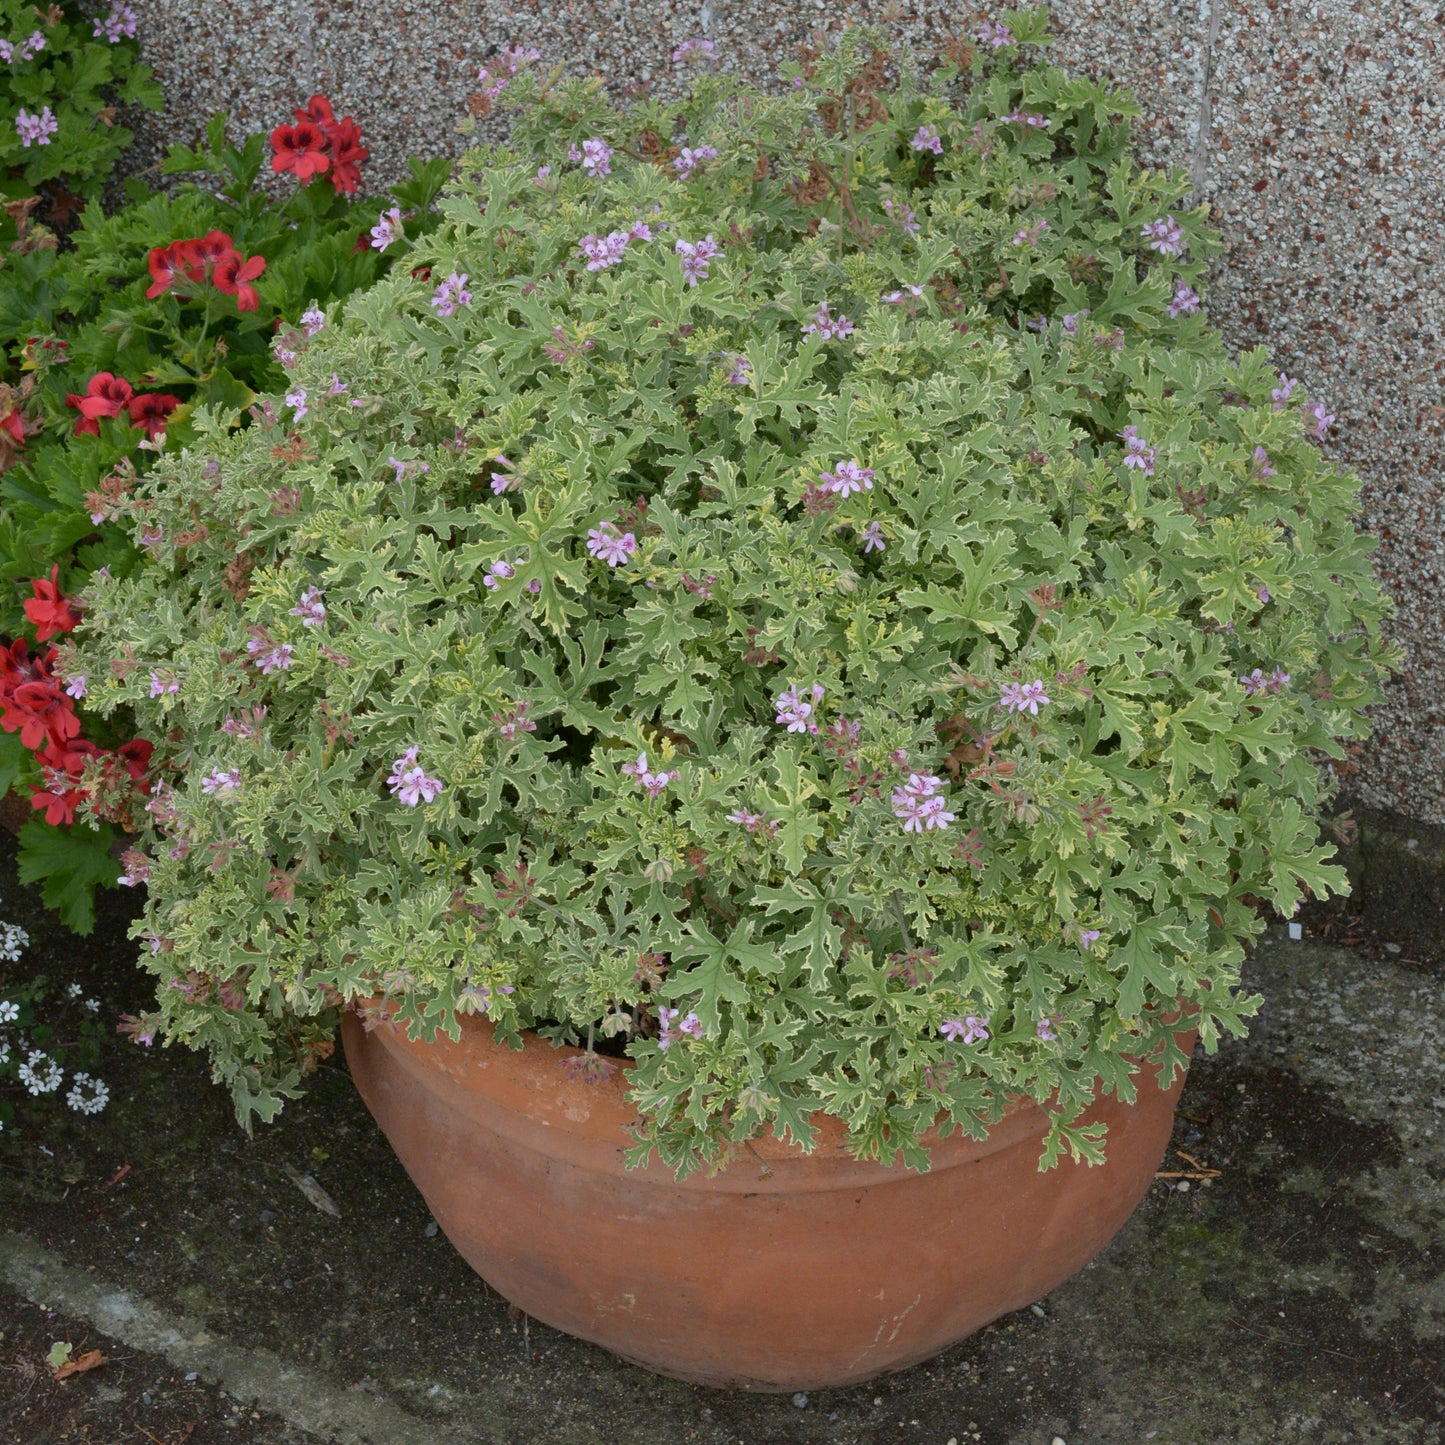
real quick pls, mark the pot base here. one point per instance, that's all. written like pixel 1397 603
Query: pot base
pixel 784 1271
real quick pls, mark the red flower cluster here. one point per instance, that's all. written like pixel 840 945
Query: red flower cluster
pixel 33 704
pixel 48 610
pixel 319 144
pixel 210 258
pixel 107 395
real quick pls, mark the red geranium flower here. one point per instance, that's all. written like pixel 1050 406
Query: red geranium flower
pixel 166 263
pixel 318 111
pixel 41 712
pixel 347 152
pixel 212 248
pixel 16 666
pixel 301 149
pixel 60 802
pixel 136 755
pixel 105 395
pixel 233 275
pixel 48 610
pixel 150 411
pixel 14 423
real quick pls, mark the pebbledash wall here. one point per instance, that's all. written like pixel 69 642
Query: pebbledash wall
pixel 1313 129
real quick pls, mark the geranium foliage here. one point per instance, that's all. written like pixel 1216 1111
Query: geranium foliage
pixel 797 587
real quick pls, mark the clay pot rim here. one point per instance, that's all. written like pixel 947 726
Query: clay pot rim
pixel 534 1091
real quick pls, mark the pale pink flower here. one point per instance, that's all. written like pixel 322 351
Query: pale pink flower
pixel 612 547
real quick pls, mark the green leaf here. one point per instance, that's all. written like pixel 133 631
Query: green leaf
pixel 70 863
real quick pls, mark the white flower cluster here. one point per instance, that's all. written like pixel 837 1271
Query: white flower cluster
pixel 99 1094
pixel 40 1073
pixel 13 938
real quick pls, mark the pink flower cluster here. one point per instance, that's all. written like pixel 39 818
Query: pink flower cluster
pixel 1138 452
pixel 388 229
pixel 118 25
pixel 1185 302
pixel 1256 681
pixel 515 721
pixel 312 610
pixel 742 372
pixel 409 783
pixel 921 804
pixel 512 58
pixel 1023 697
pixel 35 129
pixel 797 714
pixel 872 538
pixel 970 1029
pixel 927 138
pixel 602 252
pixel 690 158
pixel 745 818
pixel 653 782
pixel 267 654
pixel 499 572
pixel 995 35
pixel 906 216
pixel 1324 420
pixel 848 478
pixel 694 49
pixel 690 1027
pixel 1280 395
pixel 612 546
pixel 828 326
pixel 595 157
pixel 1026 117
pixel 695 258
pixel 228 783
pixel 1164 236
pixel 28 48
pixel 452 293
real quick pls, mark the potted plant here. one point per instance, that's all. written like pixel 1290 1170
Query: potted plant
pixel 784 650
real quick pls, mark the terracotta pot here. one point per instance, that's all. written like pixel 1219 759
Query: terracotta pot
pixel 785 1271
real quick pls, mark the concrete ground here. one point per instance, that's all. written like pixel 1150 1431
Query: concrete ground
pixel 1281 1282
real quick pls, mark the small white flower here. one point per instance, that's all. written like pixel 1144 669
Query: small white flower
pixel 76 1098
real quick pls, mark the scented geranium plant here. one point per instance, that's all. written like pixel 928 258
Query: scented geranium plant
pixel 797 594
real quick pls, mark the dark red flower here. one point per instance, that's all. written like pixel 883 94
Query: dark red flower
pixel 211 249
pixel 41 712
pixel 17 667
pixel 136 755
pixel 84 426
pixel 105 395
pixel 150 410
pixel 301 149
pixel 347 152
pixel 69 761
pixel 166 263
pixel 48 610
pixel 233 276
pixel 14 423
pixel 318 111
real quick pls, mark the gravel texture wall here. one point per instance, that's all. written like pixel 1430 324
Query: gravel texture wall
pixel 1312 128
